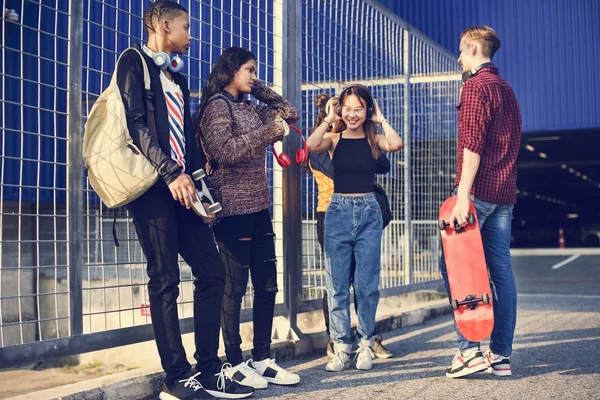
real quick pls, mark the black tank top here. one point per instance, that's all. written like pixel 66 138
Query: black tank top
pixel 353 166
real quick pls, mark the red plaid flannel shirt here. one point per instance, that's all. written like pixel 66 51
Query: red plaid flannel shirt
pixel 489 124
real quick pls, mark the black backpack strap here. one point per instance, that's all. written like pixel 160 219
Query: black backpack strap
pixel 114 229
pixel 213 163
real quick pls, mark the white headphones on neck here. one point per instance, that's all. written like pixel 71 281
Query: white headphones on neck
pixel 163 61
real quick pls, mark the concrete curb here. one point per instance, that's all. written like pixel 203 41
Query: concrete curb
pixel 146 383
pixel 583 251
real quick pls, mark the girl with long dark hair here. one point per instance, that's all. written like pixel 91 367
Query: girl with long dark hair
pixel 234 134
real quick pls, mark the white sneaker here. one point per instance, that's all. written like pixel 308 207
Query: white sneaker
pixel 338 362
pixel 273 373
pixel 364 357
pixel 497 364
pixel 466 363
pixel 244 374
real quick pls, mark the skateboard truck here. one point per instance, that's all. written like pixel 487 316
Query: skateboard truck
pixel 214 207
pixel 471 301
pixel 459 229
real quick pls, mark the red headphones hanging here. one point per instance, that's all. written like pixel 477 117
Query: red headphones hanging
pixel 284 160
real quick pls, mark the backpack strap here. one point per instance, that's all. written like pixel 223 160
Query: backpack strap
pixel 144 67
pixel 150 122
pixel 114 227
pixel 213 163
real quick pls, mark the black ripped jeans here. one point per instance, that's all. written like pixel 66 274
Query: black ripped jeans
pixel 247 244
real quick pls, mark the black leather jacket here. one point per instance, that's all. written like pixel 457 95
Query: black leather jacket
pixel 156 147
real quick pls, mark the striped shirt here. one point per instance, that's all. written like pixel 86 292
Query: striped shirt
pixel 175 104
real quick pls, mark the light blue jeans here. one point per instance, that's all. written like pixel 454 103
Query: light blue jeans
pixel 495 224
pixel 353 224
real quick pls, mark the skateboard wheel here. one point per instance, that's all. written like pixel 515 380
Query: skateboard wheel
pixel 485 298
pixel 454 304
pixel 442 225
pixel 215 208
pixel 198 174
pixel 471 219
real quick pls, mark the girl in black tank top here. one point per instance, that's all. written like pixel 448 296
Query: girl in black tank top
pixel 353 166
pixel 353 223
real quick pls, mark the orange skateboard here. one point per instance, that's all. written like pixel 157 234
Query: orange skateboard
pixel 470 293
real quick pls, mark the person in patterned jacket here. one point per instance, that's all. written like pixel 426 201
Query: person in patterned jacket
pixel 234 134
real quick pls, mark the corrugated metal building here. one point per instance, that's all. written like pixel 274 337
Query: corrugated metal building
pixel 550 55
pixel 550 51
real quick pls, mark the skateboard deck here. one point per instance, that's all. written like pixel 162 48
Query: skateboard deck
pixel 470 292
pixel 197 206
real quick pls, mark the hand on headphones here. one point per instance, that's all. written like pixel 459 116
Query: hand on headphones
pixel 377 115
pixel 333 110
pixel 282 125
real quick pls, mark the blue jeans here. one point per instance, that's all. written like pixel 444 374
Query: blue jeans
pixel 495 224
pixel 353 224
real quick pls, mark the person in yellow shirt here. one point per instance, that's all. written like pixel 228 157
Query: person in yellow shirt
pixel 321 167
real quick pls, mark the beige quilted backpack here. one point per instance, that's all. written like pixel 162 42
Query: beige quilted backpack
pixel 117 170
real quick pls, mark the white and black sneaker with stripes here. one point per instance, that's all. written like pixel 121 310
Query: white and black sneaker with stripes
pixel 222 386
pixel 497 364
pixel 246 375
pixel 274 374
pixel 466 363
pixel 186 389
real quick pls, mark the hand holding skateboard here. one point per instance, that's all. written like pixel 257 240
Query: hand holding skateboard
pixel 457 227
pixel 470 292
pixel 197 205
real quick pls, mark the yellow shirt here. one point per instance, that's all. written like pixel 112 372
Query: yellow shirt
pixel 324 190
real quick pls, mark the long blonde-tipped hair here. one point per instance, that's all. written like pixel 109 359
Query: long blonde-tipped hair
pixel 321 103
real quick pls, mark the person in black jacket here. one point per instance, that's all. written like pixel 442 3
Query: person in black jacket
pixel 164 222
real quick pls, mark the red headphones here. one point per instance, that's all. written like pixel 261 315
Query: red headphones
pixel 285 161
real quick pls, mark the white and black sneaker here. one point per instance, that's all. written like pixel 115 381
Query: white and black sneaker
pixel 244 374
pixel 222 386
pixel 274 374
pixel 466 363
pixel 497 364
pixel 185 389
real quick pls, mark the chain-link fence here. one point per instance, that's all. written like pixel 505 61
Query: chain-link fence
pixel 416 86
pixel 114 278
pixel 65 288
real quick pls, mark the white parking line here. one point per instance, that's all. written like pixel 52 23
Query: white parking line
pixel 565 262
pixel 554 295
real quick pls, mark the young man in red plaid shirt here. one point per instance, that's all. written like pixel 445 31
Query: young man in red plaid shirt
pixel 489 137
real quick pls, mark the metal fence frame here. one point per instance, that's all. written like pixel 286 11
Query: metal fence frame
pixel 290 196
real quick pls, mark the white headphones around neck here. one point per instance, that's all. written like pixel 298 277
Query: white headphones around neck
pixel 163 61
